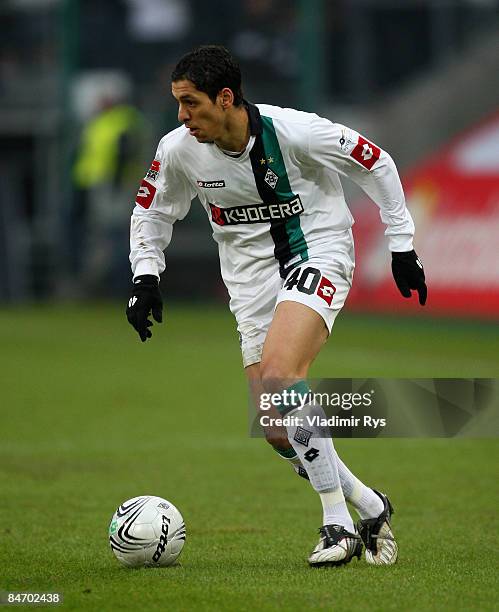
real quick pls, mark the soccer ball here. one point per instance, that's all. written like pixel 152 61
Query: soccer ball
pixel 147 531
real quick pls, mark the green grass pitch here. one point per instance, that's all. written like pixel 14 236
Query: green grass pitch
pixel 91 417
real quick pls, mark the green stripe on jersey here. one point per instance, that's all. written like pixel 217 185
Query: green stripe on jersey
pixel 297 243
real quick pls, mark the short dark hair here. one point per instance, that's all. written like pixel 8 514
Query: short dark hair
pixel 211 68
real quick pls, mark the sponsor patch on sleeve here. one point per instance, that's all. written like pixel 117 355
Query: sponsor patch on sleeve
pixel 346 143
pixel 153 171
pixel 366 153
pixel 145 194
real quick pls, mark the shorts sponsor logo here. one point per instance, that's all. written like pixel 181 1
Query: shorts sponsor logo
pixel 326 290
pixel 302 436
pixel 366 153
pixel 146 194
pixel 153 171
pixel 258 213
pixel 211 184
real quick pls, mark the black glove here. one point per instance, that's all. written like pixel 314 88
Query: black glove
pixel 145 298
pixel 409 274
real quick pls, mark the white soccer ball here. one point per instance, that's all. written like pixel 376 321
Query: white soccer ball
pixel 147 531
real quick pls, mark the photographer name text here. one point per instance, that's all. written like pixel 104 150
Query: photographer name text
pixel 317 421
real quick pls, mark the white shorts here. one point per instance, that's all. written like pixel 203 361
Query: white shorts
pixel 322 283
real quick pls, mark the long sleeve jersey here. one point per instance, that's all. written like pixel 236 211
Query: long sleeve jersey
pixel 280 200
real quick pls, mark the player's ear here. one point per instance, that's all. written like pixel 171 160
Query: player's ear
pixel 226 98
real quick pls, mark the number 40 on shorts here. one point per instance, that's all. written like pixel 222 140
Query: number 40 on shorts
pixel 310 280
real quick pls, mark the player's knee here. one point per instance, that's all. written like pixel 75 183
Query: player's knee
pixel 276 375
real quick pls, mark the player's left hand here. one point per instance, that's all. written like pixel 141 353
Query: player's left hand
pixel 145 298
pixel 408 273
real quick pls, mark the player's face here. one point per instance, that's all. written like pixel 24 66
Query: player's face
pixel 203 118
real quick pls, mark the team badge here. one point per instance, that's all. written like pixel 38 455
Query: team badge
pixel 302 436
pixel 271 178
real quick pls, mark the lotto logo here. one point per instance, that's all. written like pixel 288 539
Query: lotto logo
pixel 366 153
pixel 311 454
pixel 146 194
pixel 326 290
pixel 211 184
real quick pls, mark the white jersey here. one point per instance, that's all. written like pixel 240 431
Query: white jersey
pixel 280 201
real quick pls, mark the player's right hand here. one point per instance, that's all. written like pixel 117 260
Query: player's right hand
pixel 145 298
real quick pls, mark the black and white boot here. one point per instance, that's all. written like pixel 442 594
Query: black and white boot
pixel 377 535
pixel 336 546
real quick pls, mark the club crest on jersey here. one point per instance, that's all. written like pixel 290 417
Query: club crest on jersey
pixel 153 171
pixel 211 184
pixel 258 213
pixel 271 178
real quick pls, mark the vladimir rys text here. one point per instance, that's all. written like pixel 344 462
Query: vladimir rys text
pixel 318 421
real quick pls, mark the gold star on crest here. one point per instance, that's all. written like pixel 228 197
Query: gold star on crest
pixel 270 159
pixel 262 161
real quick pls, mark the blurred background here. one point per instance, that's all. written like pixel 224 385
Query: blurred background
pixel 85 97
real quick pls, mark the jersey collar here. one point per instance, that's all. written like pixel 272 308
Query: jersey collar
pixel 255 120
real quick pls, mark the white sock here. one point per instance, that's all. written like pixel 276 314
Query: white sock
pixel 316 451
pixel 334 510
pixel 363 499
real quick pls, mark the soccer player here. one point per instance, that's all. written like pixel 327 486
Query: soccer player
pixel 268 178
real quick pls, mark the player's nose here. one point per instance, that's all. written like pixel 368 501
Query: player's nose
pixel 183 115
